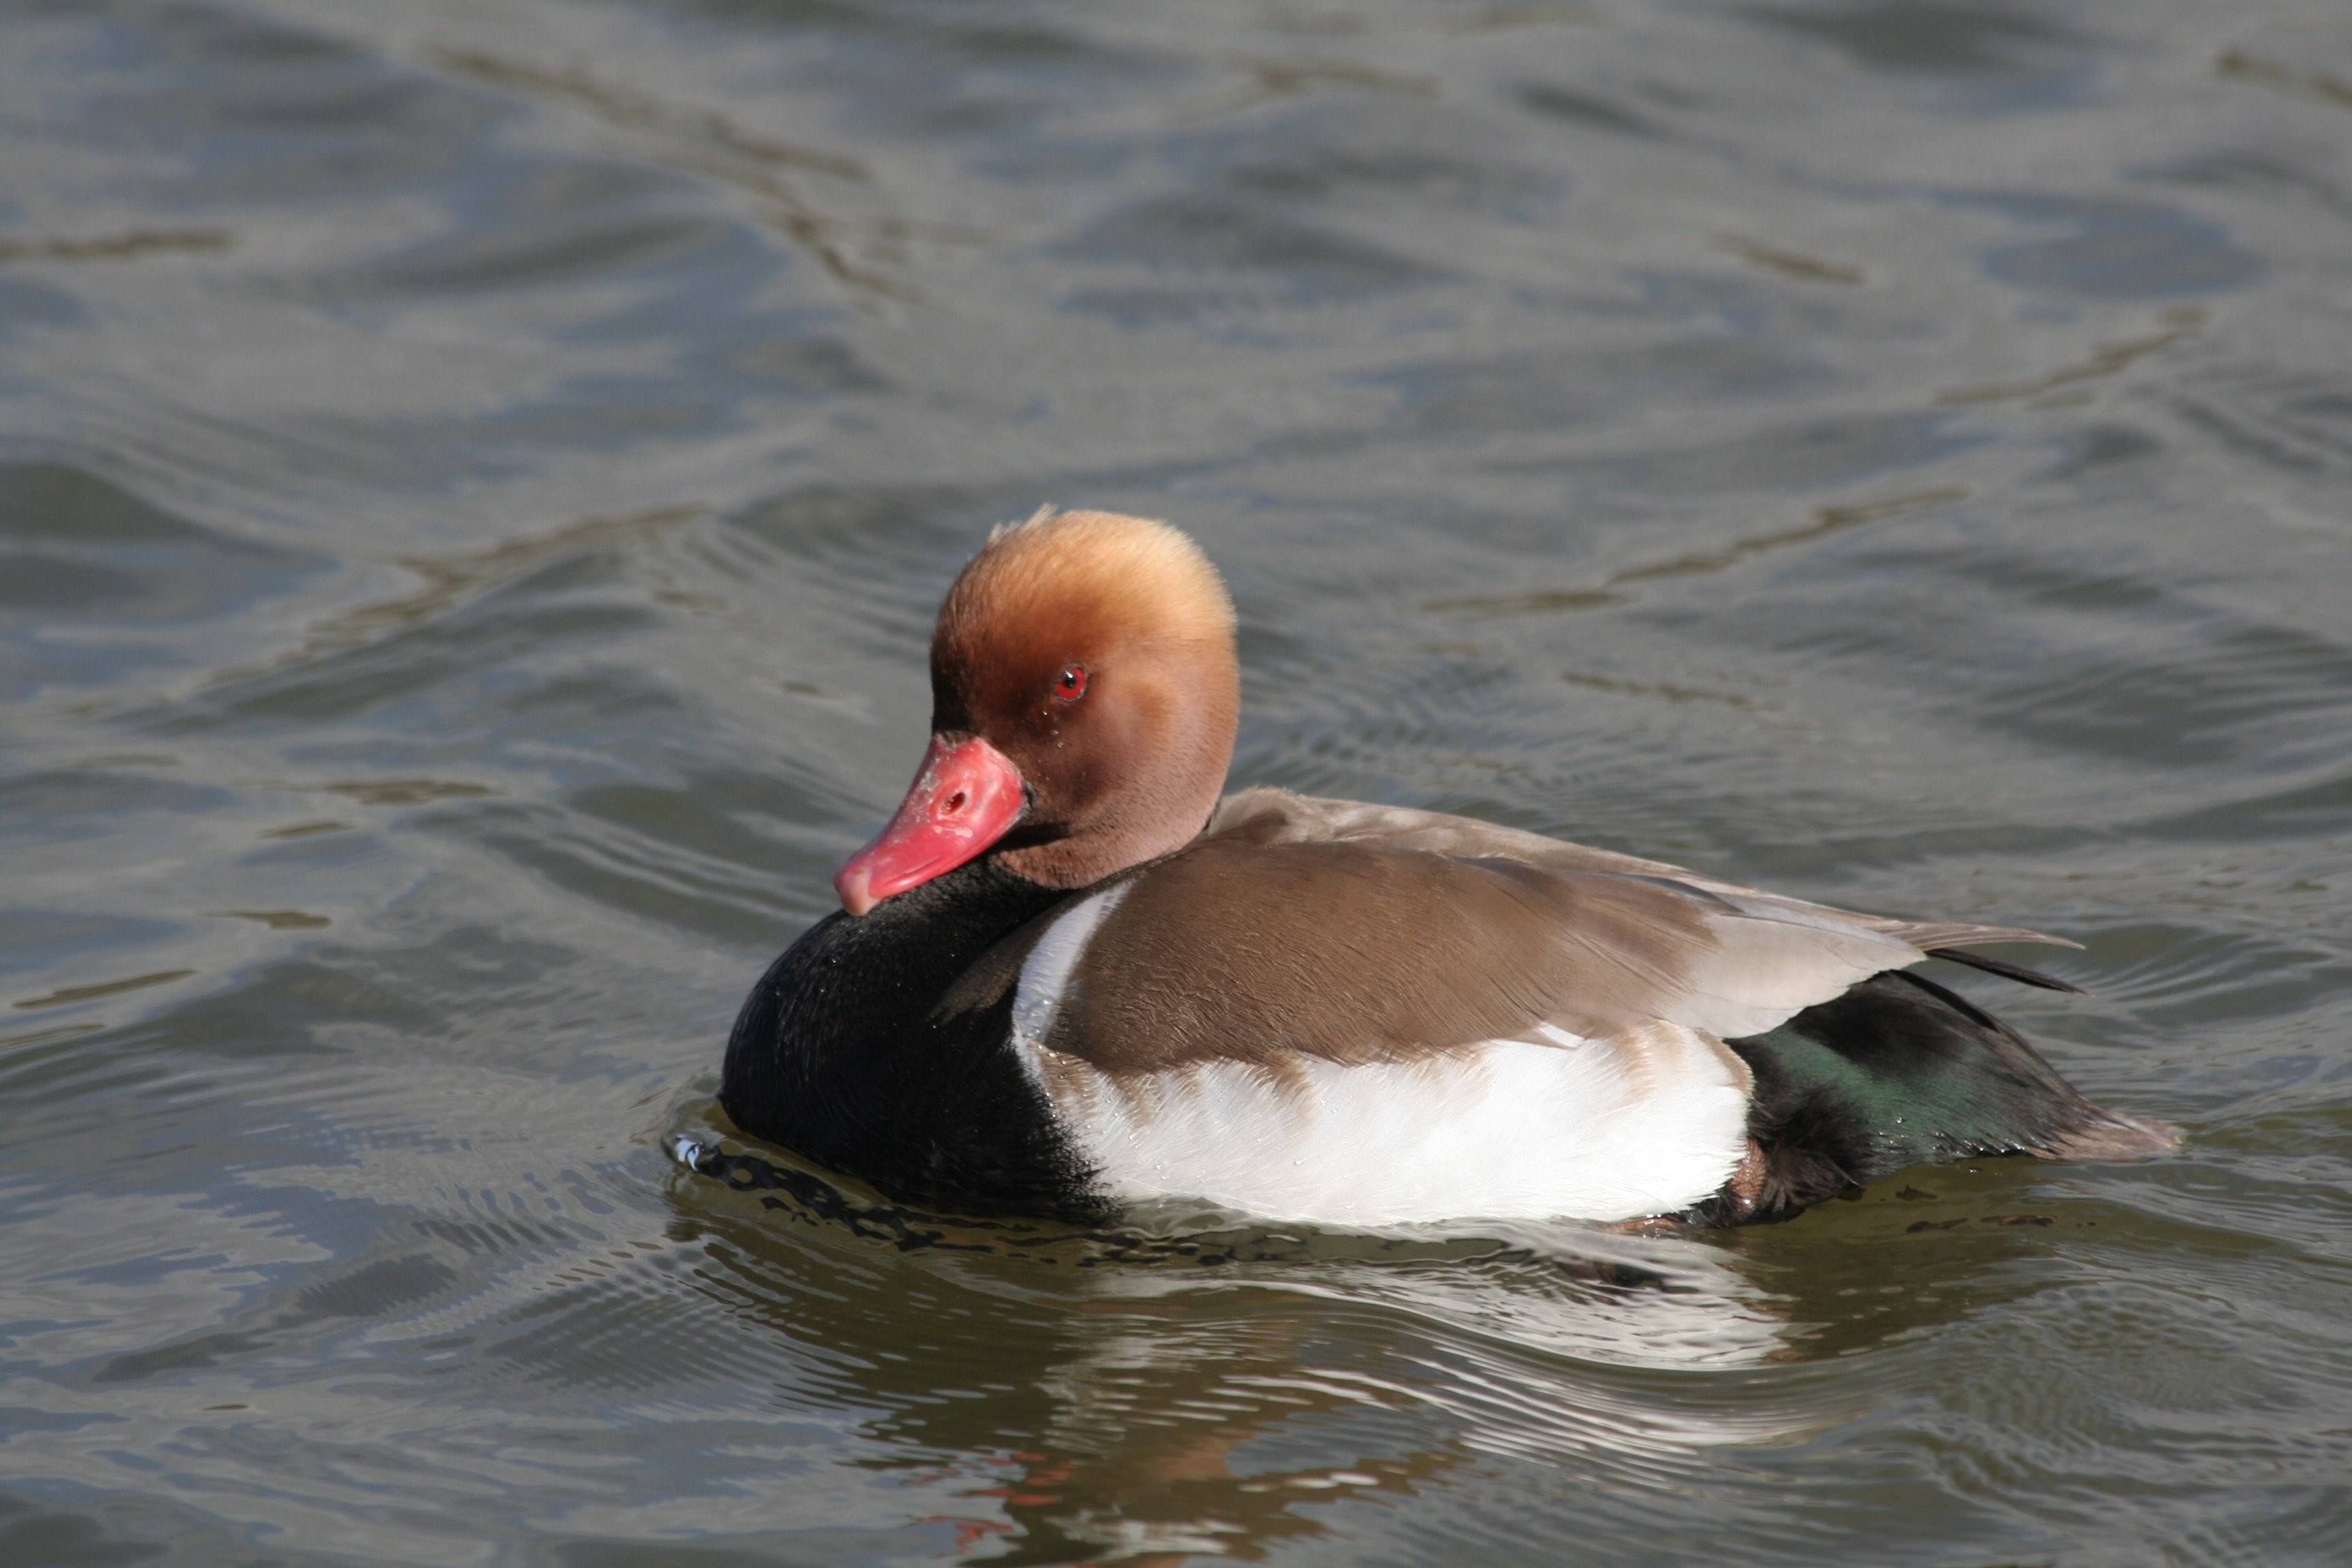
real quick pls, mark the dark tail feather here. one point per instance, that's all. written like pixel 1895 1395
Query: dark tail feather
pixel 1898 1072
pixel 2016 972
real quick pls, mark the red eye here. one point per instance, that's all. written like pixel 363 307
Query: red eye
pixel 1072 684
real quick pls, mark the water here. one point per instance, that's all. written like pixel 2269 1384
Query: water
pixel 474 484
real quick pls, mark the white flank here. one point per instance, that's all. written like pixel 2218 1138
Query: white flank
pixel 1595 1130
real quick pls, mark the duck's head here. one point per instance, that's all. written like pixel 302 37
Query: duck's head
pixel 1084 694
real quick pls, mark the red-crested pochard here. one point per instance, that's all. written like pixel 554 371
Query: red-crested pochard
pixel 1068 977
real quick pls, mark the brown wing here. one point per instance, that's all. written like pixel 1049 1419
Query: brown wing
pixel 1295 926
pixel 1273 816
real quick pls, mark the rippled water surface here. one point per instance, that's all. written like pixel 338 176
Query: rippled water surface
pixel 474 480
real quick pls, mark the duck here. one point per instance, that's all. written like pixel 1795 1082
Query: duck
pixel 1072 978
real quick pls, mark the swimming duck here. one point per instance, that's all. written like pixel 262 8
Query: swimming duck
pixel 1068 977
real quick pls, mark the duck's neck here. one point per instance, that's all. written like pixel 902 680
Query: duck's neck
pixel 957 913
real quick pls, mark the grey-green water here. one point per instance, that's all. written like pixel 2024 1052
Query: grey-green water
pixel 474 479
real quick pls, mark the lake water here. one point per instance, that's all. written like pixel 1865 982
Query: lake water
pixel 474 483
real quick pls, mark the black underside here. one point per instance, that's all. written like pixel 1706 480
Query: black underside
pixel 844 1052
pixel 1897 1072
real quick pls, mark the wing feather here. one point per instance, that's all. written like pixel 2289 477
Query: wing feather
pixel 1649 939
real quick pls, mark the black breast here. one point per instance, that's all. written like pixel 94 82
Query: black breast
pixel 844 1052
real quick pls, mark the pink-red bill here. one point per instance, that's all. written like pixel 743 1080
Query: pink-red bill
pixel 966 796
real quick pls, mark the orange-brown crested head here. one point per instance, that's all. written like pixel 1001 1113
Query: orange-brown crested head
pixel 1085 659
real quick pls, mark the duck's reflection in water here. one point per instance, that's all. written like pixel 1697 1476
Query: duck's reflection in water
pixel 1184 1388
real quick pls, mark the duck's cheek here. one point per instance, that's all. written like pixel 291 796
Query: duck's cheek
pixel 966 796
